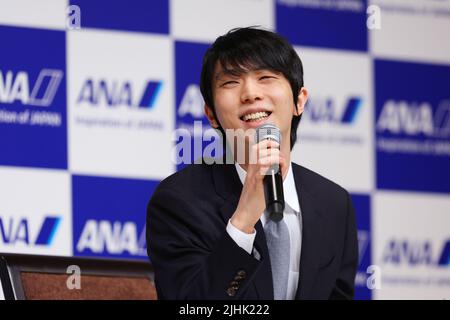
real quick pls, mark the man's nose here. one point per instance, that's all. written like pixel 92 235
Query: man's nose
pixel 251 92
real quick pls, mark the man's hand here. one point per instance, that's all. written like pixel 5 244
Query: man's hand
pixel 252 202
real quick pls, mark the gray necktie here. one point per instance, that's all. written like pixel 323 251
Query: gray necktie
pixel 277 236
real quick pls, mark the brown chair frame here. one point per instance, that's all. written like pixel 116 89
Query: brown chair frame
pixel 13 266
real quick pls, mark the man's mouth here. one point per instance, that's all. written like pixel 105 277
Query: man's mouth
pixel 256 116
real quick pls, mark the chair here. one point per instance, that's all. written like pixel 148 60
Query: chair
pixel 30 277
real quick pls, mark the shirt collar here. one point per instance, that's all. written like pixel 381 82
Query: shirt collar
pixel 289 189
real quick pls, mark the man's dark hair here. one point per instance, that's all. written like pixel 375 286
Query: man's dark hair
pixel 244 49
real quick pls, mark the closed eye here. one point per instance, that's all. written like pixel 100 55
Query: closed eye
pixel 228 83
pixel 267 77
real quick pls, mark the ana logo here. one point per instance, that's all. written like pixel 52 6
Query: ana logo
pixel 16 230
pixel 115 94
pixel 17 87
pixel 192 102
pixel 402 117
pixel 325 110
pixel 363 243
pixel 112 238
pixel 416 253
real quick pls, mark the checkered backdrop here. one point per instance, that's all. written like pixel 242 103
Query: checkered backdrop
pixel 87 119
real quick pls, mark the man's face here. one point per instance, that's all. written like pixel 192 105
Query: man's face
pixel 253 98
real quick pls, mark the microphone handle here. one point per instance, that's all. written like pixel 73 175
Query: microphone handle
pixel 273 181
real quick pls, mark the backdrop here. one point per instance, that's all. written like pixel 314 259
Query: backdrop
pixel 92 91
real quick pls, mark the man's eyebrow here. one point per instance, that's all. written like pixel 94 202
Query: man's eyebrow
pixel 237 73
pixel 259 70
pixel 219 75
pixel 222 74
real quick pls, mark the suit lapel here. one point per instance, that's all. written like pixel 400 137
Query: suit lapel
pixel 311 236
pixel 229 187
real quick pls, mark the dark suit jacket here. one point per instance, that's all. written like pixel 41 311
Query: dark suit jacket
pixel 194 257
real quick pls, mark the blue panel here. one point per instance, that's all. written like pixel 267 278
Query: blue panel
pixel 109 216
pixel 189 103
pixel 33 127
pixel 361 204
pixel 412 126
pixel 132 15
pixel 323 27
pixel 188 65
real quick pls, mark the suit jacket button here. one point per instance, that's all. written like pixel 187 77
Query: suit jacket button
pixel 231 291
pixel 238 278
pixel 234 284
pixel 241 273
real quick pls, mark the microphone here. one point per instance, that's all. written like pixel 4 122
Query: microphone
pixel 273 181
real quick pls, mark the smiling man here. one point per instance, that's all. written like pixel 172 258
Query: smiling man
pixel 208 233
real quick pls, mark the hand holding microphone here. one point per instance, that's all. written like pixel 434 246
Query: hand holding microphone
pixel 273 181
pixel 263 185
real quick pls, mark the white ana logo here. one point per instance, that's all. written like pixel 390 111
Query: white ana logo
pixel 409 118
pixel 114 238
pixel 17 87
pixel 192 102
pixel 363 243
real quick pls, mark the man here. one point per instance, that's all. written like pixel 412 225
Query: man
pixel 207 229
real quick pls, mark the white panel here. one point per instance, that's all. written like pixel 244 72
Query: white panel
pixel 28 197
pixel 50 14
pixel 205 20
pixel 416 30
pixel 120 139
pixel 342 152
pixel 409 234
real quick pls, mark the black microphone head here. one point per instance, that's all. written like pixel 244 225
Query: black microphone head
pixel 268 131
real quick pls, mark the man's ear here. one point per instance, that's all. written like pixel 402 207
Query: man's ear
pixel 301 101
pixel 210 115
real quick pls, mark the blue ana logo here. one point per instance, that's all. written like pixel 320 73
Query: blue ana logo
pixel 444 259
pixel 17 87
pixel 115 93
pixel 325 110
pixel 112 237
pixel 14 231
pixel 412 118
pixel 415 253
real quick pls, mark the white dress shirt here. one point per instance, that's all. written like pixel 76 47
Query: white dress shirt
pixel 293 219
